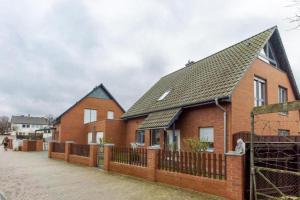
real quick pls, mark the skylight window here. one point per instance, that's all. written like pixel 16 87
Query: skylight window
pixel 164 95
pixel 267 55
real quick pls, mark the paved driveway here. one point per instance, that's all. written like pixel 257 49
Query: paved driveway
pixel 32 176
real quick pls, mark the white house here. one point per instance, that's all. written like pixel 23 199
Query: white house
pixel 26 124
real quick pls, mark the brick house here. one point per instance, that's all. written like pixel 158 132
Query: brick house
pixel 212 98
pixel 96 115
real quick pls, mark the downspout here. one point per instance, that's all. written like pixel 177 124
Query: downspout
pixel 225 124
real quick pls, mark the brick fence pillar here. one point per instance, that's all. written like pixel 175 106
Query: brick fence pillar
pixel 68 149
pixel 235 173
pixel 107 155
pixel 50 148
pixel 93 154
pixel 25 145
pixel 39 145
pixel 152 162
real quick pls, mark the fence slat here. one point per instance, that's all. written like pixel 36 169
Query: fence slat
pixel 204 164
pixel 214 165
pixel 209 165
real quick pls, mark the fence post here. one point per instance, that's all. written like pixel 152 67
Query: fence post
pixel 93 155
pixel 39 145
pixel 107 155
pixel 50 148
pixel 68 149
pixel 25 145
pixel 152 161
pixel 235 173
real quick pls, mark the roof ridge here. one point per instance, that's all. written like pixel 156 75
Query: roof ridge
pixel 273 27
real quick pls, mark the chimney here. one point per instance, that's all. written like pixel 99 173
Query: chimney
pixel 189 63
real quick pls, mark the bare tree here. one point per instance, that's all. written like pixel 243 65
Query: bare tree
pixel 50 118
pixel 4 124
pixel 296 18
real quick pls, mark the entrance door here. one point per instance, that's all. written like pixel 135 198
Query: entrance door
pixel 173 140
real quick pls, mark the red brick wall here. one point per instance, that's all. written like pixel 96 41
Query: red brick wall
pixel 188 123
pixel 243 102
pixel 79 159
pixel 57 155
pixel 72 127
pixel 141 172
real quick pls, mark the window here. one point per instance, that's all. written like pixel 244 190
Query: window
pixel 140 137
pixel 207 134
pixel 155 137
pixel 90 137
pixel 23 125
pixel 164 95
pixel 282 95
pixel 267 55
pixel 259 92
pixel 28 125
pixel 282 132
pixel 90 116
pixel 110 115
pixel 99 138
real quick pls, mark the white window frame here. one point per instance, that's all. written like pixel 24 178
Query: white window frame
pixel 89 115
pixel 136 137
pixel 283 132
pixel 282 94
pixel 110 115
pixel 203 131
pixel 260 91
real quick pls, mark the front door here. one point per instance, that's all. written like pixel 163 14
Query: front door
pixel 173 140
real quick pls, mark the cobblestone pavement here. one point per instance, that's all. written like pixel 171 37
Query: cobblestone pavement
pixel 31 175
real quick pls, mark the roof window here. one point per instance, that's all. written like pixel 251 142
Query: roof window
pixel 164 95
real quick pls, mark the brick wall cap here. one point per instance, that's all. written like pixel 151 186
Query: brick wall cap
pixel 154 147
pixel 109 145
pixel 94 144
pixel 233 153
pixel 69 142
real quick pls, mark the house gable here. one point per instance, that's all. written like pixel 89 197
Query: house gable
pixel 99 92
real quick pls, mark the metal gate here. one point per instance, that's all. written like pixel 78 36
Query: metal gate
pixel 277 170
pixel 274 166
pixel 100 156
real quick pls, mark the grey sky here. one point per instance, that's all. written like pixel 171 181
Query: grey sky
pixel 53 52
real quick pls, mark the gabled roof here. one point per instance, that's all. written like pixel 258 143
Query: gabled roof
pixel 29 120
pixel 99 92
pixel 212 77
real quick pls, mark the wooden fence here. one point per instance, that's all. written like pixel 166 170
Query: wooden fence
pixel 80 149
pixel 58 147
pixel 31 145
pixel 199 164
pixel 130 156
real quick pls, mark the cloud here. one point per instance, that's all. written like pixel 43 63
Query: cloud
pixel 53 52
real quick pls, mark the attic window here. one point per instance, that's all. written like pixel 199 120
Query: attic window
pixel 164 95
pixel 267 55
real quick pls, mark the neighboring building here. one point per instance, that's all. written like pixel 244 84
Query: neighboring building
pixel 24 125
pixel 212 98
pixel 96 116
